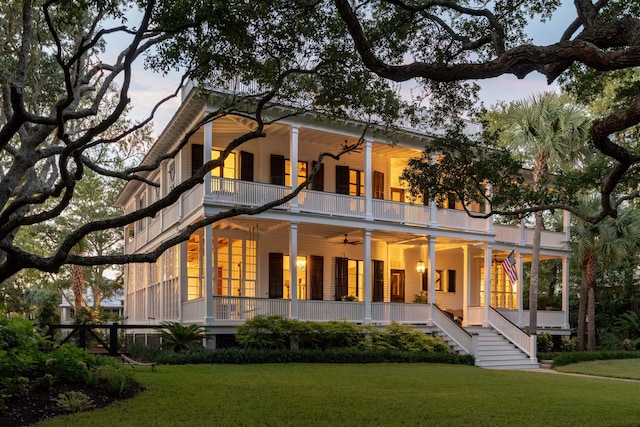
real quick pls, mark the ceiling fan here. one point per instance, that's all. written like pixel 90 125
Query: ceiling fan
pixel 346 241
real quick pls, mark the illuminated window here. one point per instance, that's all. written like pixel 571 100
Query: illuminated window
pixel 301 265
pixel 228 170
pixel 356 182
pixel 195 273
pixel 302 172
pixel 235 274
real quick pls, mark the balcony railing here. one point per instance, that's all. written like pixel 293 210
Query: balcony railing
pixel 231 192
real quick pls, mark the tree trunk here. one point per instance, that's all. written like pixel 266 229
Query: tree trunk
pixel 582 308
pixel 591 308
pixel 533 283
pixel 78 287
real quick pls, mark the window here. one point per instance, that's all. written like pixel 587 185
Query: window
pixel 171 175
pixel 349 181
pixel 301 263
pixel 235 274
pixel 503 293
pixel 142 203
pixel 356 182
pixel 228 169
pixel 302 172
pixel 195 273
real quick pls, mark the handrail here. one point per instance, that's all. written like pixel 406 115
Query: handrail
pixel 453 330
pixel 513 333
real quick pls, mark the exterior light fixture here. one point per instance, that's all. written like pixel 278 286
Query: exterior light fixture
pixel 301 263
pixel 420 267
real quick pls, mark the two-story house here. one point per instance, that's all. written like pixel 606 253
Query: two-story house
pixel 351 246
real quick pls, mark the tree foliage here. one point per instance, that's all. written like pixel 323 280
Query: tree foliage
pixel 66 86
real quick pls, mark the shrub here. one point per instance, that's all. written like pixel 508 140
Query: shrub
pixel 74 401
pixel 178 337
pixel 587 356
pixel 407 338
pixel 568 344
pixel 266 332
pixel 70 363
pixel 544 343
pixel 116 378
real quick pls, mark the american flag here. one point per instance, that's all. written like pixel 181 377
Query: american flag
pixel 509 265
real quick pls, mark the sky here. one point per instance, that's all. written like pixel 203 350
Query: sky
pixel 149 87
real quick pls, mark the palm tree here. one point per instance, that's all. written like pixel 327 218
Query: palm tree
pixel 611 240
pixel 552 132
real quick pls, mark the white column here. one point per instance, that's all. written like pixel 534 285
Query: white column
pixel 208 278
pixel 519 292
pixel 433 209
pixel 565 291
pixel 466 283
pixel 521 243
pixel 367 276
pixel 432 276
pixel 293 167
pixel 488 255
pixel 208 142
pixel 293 268
pixel 368 180
pixel 566 224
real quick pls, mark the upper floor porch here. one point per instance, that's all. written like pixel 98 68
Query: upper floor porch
pixel 363 185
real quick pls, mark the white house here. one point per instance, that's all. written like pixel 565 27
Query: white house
pixel 349 247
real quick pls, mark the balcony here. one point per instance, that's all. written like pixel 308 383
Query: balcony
pixel 230 192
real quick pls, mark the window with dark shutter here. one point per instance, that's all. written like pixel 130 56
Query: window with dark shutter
pixel 197 157
pixel 276 275
pixel 378 185
pixel 318 179
pixel 378 281
pixel 342 179
pixel 316 264
pixel 342 278
pixel 277 169
pixel 451 282
pixel 246 166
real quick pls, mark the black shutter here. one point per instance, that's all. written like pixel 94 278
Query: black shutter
pixel 378 185
pixel 342 278
pixel 276 275
pixel 425 281
pixel 277 169
pixel 197 157
pixel 246 166
pixel 316 264
pixel 317 183
pixel 451 284
pixel 342 179
pixel 378 281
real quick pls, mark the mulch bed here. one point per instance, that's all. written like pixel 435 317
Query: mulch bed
pixel 38 406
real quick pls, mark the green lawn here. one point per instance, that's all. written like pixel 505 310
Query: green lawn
pixel 625 368
pixel 366 395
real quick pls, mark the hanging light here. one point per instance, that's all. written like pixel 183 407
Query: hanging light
pixel 301 263
pixel 420 267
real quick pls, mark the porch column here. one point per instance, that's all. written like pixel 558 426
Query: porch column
pixel 488 255
pixel 293 167
pixel 208 270
pixel 521 243
pixel 466 281
pixel 519 292
pixel 368 181
pixel 208 143
pixel 433 211
pixel 432 277
pixel 293 268
pixel 367 276
pixel 565 291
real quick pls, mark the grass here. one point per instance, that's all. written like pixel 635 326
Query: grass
pixel 365 394
pixel 626 368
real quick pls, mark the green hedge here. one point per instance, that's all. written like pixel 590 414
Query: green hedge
pixel 562 359
pixel 337 355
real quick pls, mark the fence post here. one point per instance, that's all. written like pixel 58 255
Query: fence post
pixel 83 337
pixel 113 339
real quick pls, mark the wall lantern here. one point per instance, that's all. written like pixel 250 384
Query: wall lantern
pixel 420 267
pixel 301 263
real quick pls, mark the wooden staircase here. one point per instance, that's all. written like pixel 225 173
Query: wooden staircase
pixel 494 351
